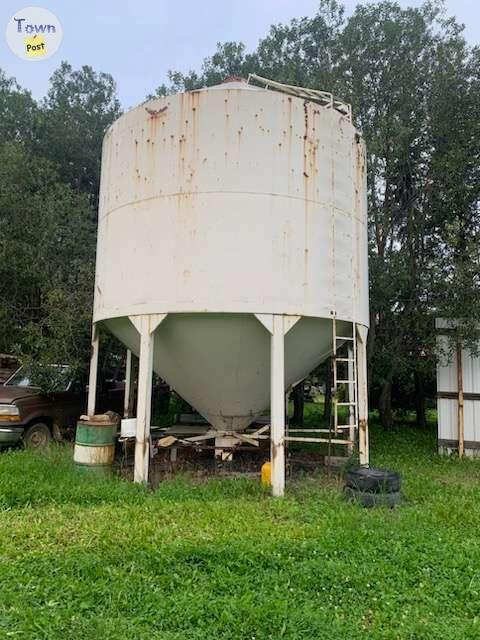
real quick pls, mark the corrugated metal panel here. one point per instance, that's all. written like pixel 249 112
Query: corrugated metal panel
pixel 446 369
pixel 447 384
pixel 447 419
pixel 471 373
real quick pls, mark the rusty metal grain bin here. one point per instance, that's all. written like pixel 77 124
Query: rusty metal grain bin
pixel 220 207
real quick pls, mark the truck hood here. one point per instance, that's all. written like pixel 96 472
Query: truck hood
pixel 9 394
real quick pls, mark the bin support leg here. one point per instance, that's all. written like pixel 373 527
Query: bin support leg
pixel 145 325
pixel 92 381
pixel 277 406
pixel 363 447
pixel 278 326
pixel 128 377
pixel 144 402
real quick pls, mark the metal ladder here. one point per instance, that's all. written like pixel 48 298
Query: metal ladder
pixel 349 382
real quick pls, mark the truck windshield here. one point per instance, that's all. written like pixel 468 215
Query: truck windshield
pixel 59 373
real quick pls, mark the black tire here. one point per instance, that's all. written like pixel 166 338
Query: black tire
pixel 37 436
pixel 373 499
pixel 373 480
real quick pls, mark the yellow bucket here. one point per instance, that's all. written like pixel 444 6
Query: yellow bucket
pixel 266 474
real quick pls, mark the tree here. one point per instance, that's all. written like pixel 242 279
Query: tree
pixel 46 262
pixel 389 52
pixel 413 84
pixel 19 112
pixel 50 157
pixel 228 60
pixel 77 111
pixel 454 188
pixel 303 52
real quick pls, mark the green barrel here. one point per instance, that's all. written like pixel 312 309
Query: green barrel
pixel 95 443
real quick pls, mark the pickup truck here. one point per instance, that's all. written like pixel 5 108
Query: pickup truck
pixel 34 417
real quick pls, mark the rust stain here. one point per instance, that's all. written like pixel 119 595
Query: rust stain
pixel 136 155
pixel 155 113
pixel 305 150
pixel 195 103
pixel 309 171
pixel 226 127
pixel 181 158
pixel 289 133
pixel 305 118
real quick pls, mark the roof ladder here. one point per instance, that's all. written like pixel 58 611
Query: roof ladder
pixel 344 389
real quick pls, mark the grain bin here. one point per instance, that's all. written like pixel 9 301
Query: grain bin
pixel 232 234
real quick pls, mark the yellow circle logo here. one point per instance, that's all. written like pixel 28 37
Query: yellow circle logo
pixel 34 33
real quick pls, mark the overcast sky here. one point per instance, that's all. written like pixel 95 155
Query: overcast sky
pixel 138 41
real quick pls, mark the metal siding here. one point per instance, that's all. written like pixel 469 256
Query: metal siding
pixel 232 200
pixel 471 373
pixel 447 383
pixel 471 418
pixel 446 369
pixel 447 419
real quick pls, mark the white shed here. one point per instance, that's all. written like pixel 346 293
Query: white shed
pixel 458 397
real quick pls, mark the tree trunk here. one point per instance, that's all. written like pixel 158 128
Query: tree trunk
pixel 298 403
pixel 420 400
pixel 327 407
pixel 385 405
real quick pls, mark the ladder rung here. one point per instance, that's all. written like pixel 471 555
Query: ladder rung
pixel 307 430
pixel 314 440
pixel 344 338
pixel 345 404
pixel 346 381
pixel 345 359
pixel 347 426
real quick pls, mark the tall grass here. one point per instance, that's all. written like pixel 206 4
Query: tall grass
pixel 88 557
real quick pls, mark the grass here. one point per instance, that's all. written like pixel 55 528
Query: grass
pixel 84 557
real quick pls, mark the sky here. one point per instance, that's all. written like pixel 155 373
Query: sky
pixel 138 42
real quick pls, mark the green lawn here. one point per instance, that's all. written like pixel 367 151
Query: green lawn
pixel 82 557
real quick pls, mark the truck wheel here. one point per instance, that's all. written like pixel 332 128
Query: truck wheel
pixel 373 480
pixel 37 436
